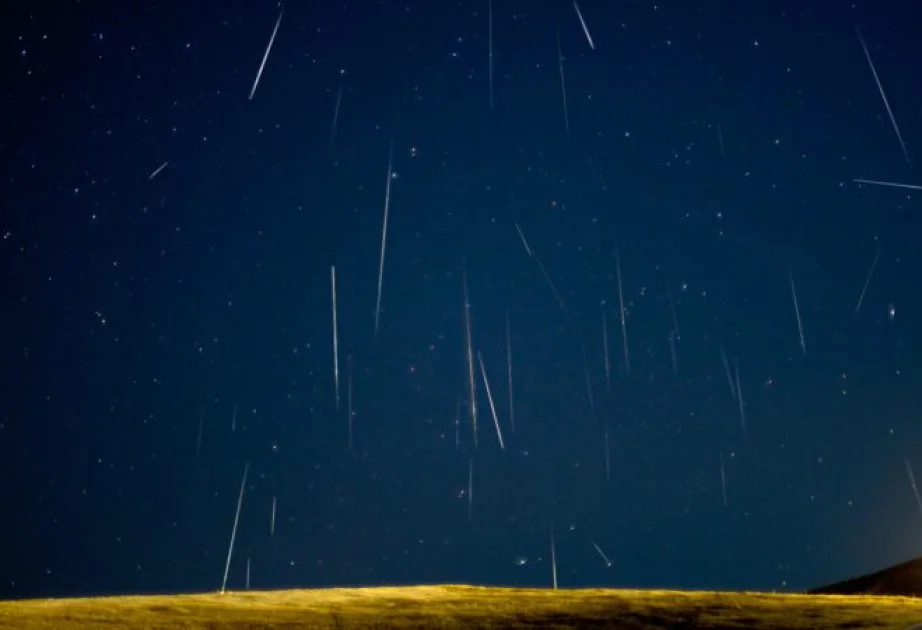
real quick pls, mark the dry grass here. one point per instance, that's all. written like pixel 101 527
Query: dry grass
pixel 466 607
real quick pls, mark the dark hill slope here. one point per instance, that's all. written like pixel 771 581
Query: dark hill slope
pixel 902 579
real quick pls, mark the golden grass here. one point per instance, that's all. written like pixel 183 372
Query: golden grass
pixel 466 607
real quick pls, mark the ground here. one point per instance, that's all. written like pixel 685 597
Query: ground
pixel 467 607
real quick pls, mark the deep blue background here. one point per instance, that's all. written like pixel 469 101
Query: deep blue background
pixel 134 307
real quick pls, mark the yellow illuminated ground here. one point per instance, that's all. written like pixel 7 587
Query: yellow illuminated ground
pixel 466 607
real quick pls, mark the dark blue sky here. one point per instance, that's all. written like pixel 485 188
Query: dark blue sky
pixel 712 147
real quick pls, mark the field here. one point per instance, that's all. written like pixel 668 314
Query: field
pixel 466 607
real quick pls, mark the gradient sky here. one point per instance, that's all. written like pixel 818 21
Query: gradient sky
pixel 164 327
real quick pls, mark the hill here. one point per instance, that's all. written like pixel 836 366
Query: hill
pixel 466 607
pixel 903 579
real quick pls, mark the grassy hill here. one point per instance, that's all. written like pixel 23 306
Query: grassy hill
pixel 466 607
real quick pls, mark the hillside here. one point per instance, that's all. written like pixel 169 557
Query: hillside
pixel 466 607
pixel 903 579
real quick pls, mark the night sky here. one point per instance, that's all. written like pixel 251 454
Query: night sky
pixel 632 238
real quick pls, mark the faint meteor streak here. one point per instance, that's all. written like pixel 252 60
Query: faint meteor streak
pixel 157 171
pixel 889 184
pixel 262 64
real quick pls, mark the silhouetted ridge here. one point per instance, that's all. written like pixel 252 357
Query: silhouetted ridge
pixel 901 579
